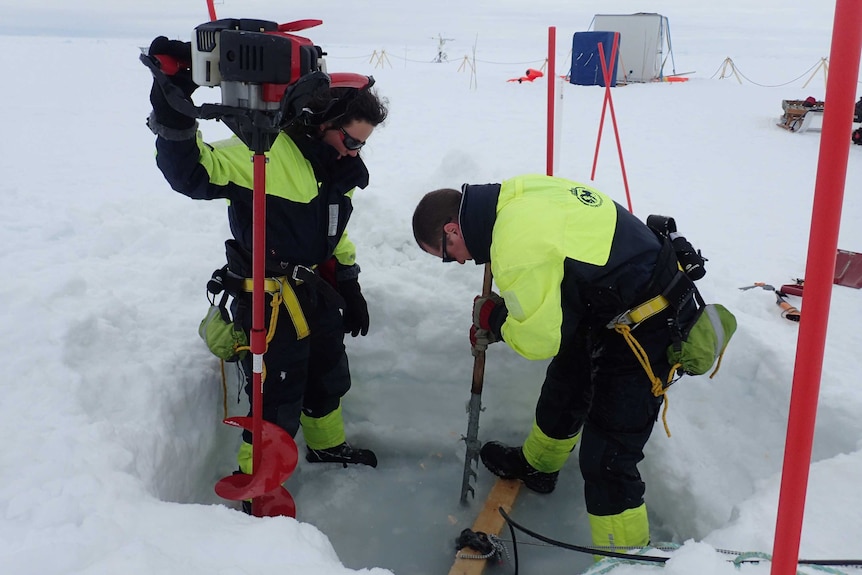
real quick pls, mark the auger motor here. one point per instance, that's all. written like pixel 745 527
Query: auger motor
pixel 253 61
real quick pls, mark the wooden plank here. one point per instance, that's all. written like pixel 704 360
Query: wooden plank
pixel 489 521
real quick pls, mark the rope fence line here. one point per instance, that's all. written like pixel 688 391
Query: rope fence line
pixel 447 61
pixel 724 70
pixel 729 66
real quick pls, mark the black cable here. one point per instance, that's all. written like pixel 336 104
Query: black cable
pixel 835 562
pixel 514 543
pixel 650 558
pixel 582 549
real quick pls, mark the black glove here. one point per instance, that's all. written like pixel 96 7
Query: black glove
pixel 356 318
pixel 175 58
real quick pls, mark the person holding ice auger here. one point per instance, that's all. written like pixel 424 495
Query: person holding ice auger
pixel 570 263
pixel 313 168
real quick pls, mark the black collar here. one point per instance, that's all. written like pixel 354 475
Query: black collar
pixel 345 173
pixel 477 217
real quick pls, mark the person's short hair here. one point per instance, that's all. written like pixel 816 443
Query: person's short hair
pixel 435 210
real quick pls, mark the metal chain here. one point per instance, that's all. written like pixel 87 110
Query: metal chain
pixel 498 550
pixel 499 547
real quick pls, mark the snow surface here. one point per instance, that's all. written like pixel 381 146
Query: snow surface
pixel 112 406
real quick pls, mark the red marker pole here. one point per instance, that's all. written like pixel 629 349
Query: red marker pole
pixel 819 274
pixel 551 76
pixel 604 105
pixel 610 100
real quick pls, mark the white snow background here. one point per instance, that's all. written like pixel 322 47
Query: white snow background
pixel 111 406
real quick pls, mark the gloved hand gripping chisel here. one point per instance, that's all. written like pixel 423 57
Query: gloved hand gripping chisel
pixel 474 407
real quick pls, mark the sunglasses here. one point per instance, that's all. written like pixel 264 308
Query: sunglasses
pixel 445 255
pixel 349 141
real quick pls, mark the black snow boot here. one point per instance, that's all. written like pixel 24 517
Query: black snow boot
pixel 343 454
pixel 509 463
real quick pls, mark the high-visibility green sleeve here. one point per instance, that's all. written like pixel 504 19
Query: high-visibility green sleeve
pixel 541 222
pixel 345 251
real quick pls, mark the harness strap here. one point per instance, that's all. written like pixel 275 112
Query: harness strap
pixel 280 288
pixel 270 285
pixel 294 310
pixel 641 313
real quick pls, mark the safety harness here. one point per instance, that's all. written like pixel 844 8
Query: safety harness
pixel 679 291
pixel 282 293
pixel 280 288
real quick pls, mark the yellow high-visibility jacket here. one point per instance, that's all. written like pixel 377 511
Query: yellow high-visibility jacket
pixel 308 194
pixel 561 253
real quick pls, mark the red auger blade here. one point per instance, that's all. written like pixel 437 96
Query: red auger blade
pixel 276 503
pixel 278 459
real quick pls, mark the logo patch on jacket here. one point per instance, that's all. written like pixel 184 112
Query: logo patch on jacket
pixel 587 197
